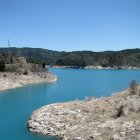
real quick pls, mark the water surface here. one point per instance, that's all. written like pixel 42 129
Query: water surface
pixel 16 105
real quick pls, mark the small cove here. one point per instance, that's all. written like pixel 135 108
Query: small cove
pixel 16 105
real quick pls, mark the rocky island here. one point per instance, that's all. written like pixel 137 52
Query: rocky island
pixel 16 72
pixel 110 118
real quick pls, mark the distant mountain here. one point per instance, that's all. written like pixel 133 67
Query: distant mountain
pixel 34 54
pixel 129 57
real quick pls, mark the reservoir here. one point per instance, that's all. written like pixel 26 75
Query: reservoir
pixel 16 105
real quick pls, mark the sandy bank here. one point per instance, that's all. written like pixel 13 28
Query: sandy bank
pixel 13 80
pixel 110 118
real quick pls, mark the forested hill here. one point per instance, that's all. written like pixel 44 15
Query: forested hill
pixel 34 54
pixel 129 57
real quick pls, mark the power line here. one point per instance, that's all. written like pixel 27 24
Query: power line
pixel 8 43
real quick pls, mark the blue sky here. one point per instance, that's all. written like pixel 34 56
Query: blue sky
pixel 68 25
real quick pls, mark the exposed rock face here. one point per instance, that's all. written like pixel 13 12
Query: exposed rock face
pixel 20 73
pixel 94 119
pixel 19 65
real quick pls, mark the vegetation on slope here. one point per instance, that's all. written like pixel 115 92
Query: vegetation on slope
pixel 18 64
pixel 129 57
pixel 104 59
pixel 34 55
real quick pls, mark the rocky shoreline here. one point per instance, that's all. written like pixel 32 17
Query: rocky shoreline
pixel 10 80
pixel 110 118
pixel 17 72
pixel 99 67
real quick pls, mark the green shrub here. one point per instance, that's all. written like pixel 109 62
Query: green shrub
pixel 2 66
pixel 25 72
pixel 44 65
pixel 133 87
pixel 119 111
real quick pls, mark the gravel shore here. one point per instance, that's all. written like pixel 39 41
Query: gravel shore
pixel 13 80
pixel 110 118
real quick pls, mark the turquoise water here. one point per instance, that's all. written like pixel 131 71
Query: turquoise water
pixel 16 105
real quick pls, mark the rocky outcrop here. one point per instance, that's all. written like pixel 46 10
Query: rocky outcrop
pixel 19 73
pixel 19 65
pixel 110 118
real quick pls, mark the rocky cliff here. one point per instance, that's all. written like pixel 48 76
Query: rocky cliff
pixel 19 65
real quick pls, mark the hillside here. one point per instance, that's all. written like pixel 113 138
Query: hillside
pixel 123 58
pixel 34 54
pixel 104 59
pixel 16 72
